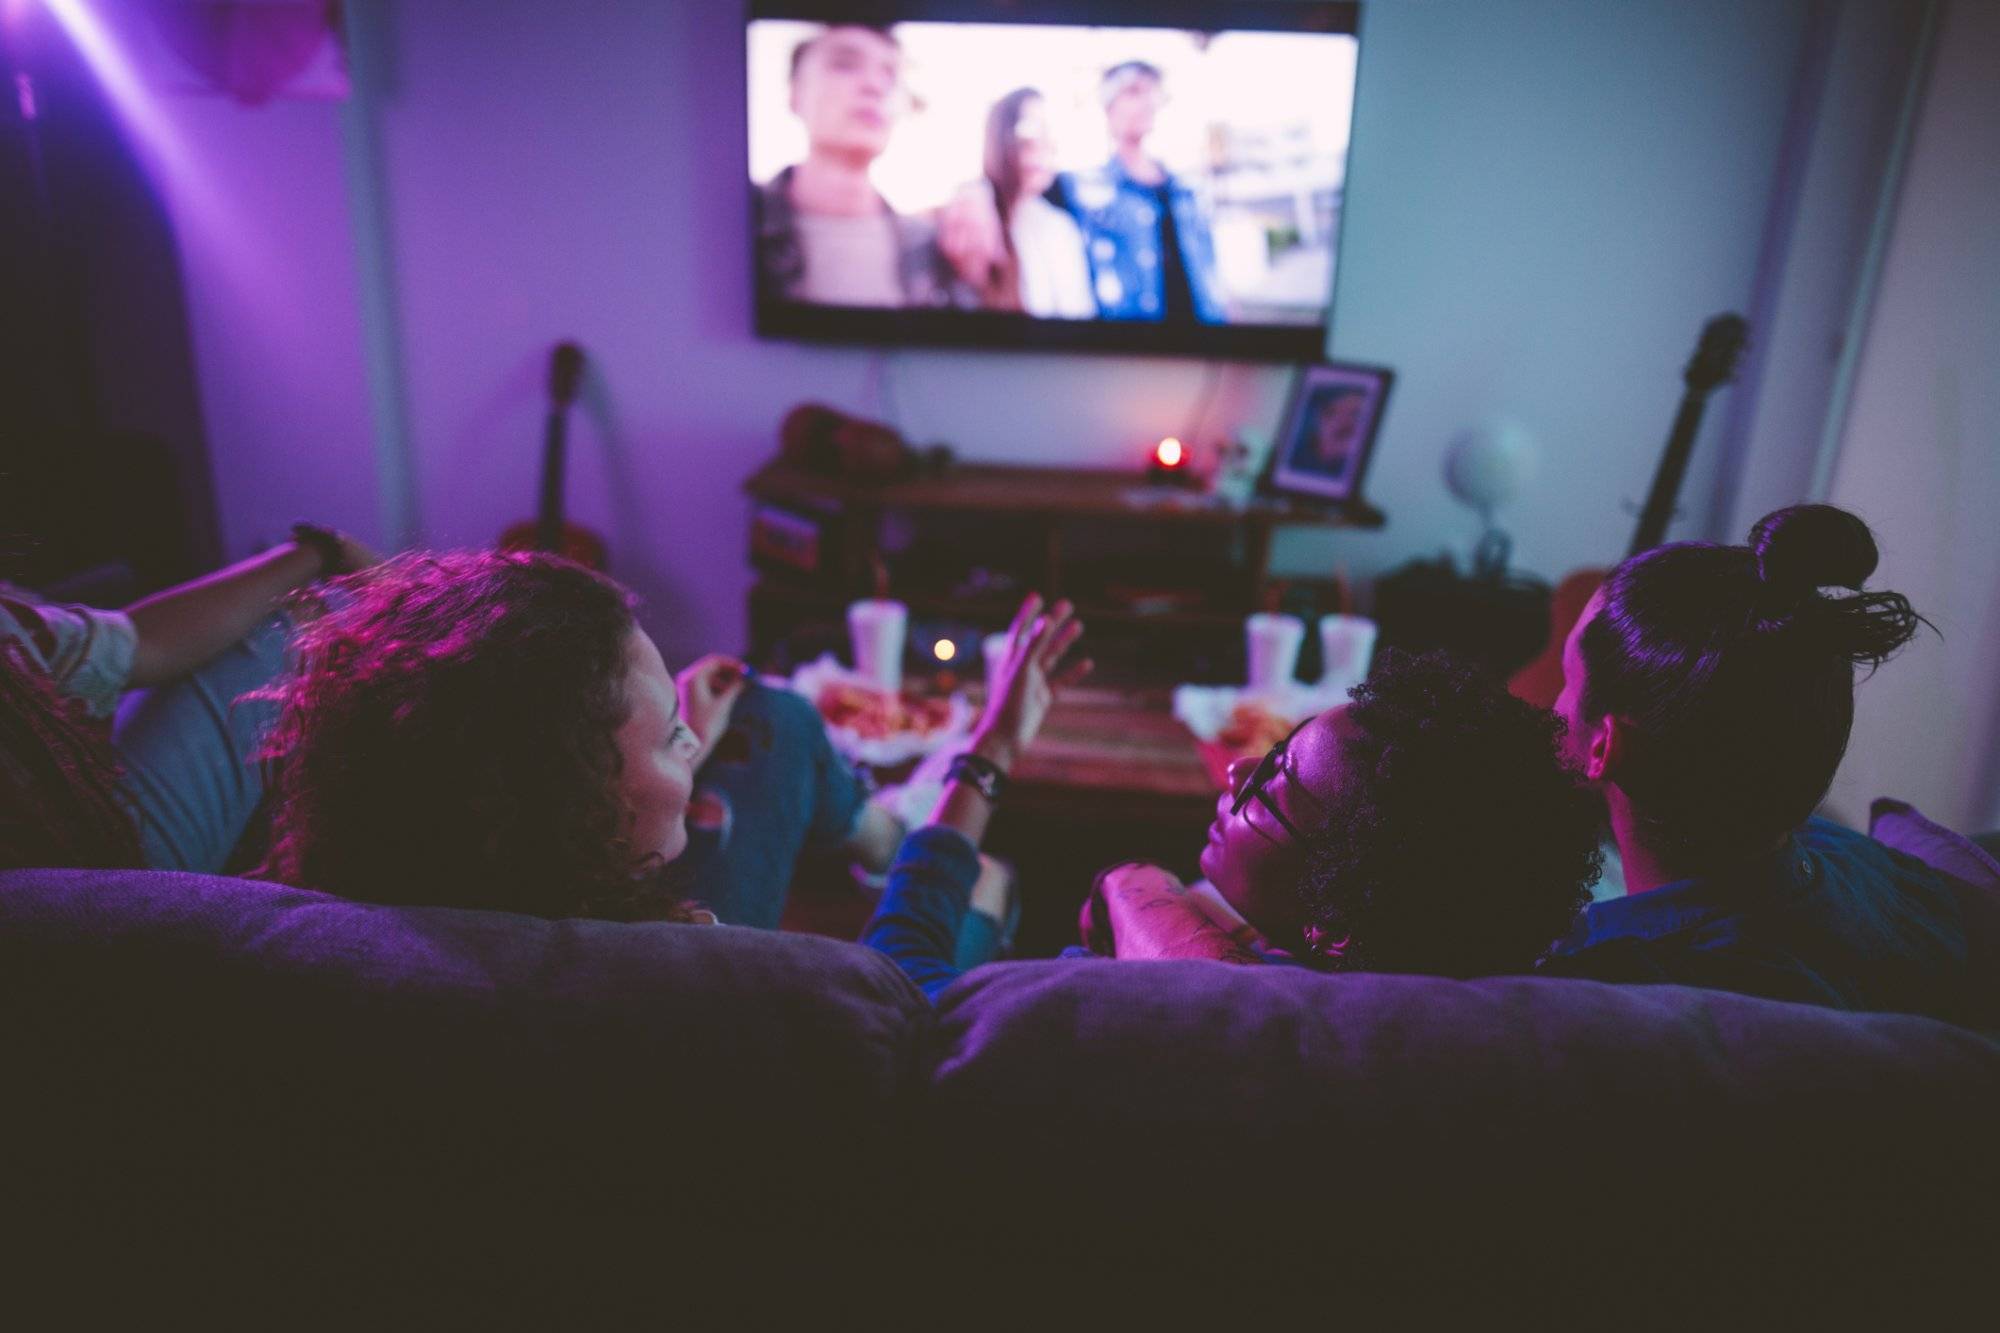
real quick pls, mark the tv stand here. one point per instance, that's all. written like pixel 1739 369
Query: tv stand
pixel 1162 575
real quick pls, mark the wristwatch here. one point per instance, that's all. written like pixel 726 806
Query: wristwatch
pixel 980 773
pixel 326 544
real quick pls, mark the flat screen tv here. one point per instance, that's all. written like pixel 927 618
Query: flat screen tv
pixel 1165 176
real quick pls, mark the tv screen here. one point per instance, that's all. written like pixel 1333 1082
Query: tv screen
pixel 1158 177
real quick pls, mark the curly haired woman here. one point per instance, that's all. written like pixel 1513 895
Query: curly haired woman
pixel 495 731
pixel 1430 825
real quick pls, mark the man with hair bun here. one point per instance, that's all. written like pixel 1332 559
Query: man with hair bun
pixel 1709 692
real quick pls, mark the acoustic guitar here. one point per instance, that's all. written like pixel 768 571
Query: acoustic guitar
pixel 549 530
pixel 1712 366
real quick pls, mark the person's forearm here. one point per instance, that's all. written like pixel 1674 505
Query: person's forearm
pixel 916 923
pixel 964 807
pixel 877 833
pixel 184 626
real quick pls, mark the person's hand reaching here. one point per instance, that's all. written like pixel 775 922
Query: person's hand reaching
pixel 969 235
pixel 1032 672
pixel 709 688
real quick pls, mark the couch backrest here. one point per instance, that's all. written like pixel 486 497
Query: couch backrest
pixel 201 1066
pixel 1556 1139
pixel 209 1059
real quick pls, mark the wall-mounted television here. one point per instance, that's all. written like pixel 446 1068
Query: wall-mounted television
pixel 1164 176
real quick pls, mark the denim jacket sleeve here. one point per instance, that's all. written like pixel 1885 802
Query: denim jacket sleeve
pixel 928 894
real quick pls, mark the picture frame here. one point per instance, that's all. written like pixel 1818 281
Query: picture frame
pixel 1327 435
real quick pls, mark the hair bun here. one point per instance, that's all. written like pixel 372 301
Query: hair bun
pixel 1802 548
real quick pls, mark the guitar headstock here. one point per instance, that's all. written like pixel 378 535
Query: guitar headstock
pixel 1714 359
pixel 565 373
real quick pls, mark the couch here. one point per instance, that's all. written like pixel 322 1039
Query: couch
pixel 223 1093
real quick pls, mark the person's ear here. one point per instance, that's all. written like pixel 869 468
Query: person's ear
pixel 1604 749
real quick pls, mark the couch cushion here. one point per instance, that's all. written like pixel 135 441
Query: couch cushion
pixel 1562 1137
pixel 1902 826
pixel 221 1062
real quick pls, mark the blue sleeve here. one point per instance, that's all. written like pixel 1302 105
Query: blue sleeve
pixel 929 891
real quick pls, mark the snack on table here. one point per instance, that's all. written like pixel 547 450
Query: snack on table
pixel 1251 729
pixel 877 715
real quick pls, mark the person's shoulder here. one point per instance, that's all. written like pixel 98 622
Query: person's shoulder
pixel 1847 853
pixel 1091 189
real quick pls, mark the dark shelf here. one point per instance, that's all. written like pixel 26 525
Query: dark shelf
pixel 1030 492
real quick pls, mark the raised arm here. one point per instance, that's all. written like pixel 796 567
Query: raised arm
pixel 930 882
pixel 184 626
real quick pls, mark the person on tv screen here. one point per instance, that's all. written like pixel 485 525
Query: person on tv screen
pixel 1151 254
pixel 1330 436
pixel 1043 271
pixel 825 235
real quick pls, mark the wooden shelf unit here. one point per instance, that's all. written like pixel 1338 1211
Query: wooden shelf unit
pixel 1045 514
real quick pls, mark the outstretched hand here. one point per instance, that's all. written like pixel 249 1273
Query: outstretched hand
pixel 1032 672
pixel 709 688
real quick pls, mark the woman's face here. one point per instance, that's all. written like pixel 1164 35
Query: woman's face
pixel 656 756
pixel 1034 150
pixel 1251 858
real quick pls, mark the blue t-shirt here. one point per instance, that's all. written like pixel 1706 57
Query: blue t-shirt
pixel 1832 918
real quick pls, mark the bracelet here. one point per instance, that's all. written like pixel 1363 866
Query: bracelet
pixel 325 543
pixel 979 773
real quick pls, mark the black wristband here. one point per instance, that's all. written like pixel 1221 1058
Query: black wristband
pixel 979 773
pixel 325 543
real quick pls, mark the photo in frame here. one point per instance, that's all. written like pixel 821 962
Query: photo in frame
pixel 1328 432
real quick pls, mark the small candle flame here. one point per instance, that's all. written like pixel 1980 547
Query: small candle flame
pixel 1170 453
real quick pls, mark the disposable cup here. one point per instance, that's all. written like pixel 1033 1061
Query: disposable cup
pixel 1271 643
pixel 876 627
pixel 1347 646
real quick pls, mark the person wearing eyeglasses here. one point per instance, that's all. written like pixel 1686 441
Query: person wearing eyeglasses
pixel 1430 825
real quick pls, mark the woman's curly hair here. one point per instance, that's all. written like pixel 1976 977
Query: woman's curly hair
pixel 60 799
pixel 1462 844
pixel 447 736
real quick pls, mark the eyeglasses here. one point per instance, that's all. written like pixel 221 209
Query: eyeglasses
pixel 1253 786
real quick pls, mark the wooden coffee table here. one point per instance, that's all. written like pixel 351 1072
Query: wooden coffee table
pixel 1113 777
pixel 1115 753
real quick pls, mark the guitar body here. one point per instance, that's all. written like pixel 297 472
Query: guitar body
pixel 1712 365
pixel 1541 680
pixel 549 530
pixel 573 542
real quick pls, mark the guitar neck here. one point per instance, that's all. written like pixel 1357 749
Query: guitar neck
pixel 549 513
pixel 1660 500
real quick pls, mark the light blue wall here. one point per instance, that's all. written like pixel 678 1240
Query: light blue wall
pixel 1547 199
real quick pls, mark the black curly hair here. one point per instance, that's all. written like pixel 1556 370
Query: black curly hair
pixel 1462 844
pixel 448 737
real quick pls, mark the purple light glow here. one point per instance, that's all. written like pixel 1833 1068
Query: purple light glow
pixel 176 171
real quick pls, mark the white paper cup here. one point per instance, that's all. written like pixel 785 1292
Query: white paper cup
pixel 1347 646
pixel 876 628
pixel 1272 644
pixel 994 649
